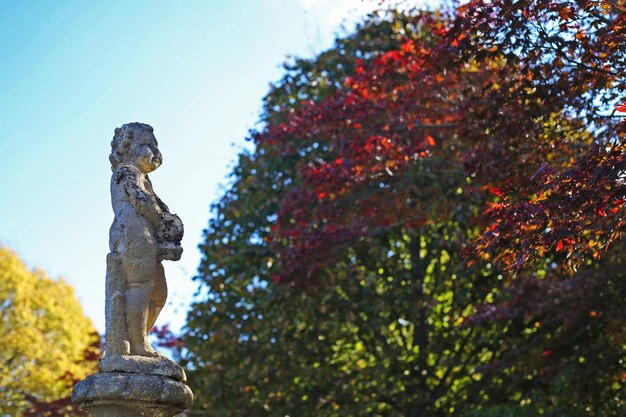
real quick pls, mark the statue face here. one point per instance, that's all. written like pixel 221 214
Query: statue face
pixel 144 152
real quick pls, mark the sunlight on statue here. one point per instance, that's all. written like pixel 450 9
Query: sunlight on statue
pixel 133 379
pixel 143 234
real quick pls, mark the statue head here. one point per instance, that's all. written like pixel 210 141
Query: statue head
pixel 135 144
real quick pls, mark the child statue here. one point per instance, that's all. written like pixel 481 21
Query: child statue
pixel 133 379
pixel 143 234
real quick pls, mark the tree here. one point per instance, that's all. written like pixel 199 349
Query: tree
pixel 356 345
pixel 46 342
pixel 523 115
pixel 332 278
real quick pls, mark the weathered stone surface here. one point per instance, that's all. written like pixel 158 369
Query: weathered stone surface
pixel 129 395
pixel 143 365
pixel 143 234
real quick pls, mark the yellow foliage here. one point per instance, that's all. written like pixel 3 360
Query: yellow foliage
pixel 44 335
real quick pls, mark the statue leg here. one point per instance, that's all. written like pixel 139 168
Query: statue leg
pixel 158 297
pixel 116 340
pixel 140 283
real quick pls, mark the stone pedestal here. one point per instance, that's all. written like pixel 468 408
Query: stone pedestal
pixel 134 386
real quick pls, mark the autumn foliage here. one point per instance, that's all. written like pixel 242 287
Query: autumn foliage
pixel 46 342
pixel 576 55
pixel 512 94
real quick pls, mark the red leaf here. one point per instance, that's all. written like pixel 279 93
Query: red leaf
pixel 496 191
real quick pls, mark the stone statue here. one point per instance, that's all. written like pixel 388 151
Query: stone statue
pixel 143 234
pixel 134 380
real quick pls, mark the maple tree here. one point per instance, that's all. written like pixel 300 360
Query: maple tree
pixel 332 275
pixel 576 57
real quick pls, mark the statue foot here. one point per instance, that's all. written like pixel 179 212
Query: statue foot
pixel 144 349
pixel 117 348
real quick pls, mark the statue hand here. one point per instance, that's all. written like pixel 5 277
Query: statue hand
pixel 169 252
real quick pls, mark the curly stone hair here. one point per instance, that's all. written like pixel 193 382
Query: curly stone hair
pixel 122 139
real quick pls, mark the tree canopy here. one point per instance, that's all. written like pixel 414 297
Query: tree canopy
pixel 381 250
pixel 46 342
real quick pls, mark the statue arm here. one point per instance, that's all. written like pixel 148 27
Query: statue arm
pixel 159 202
pixel 145 202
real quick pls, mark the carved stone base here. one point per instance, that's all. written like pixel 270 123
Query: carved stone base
pixel 134 387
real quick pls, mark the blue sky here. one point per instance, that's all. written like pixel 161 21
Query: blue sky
pixel 73 71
